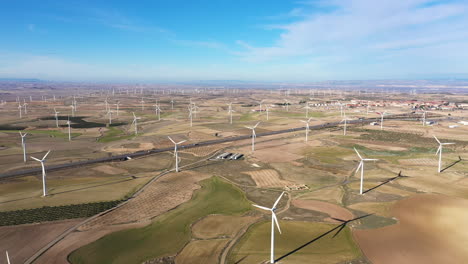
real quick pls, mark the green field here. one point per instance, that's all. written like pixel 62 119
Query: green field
pixel 114 134
pixel 255 244
pixel 169 233
pixel 53 133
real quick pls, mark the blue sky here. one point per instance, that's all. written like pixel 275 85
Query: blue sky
pixel 291 41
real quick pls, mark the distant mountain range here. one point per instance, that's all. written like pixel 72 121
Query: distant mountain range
pixel 20 80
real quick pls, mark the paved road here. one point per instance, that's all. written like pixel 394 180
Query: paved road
pixel 204 143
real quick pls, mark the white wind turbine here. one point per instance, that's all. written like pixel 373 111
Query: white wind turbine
pixel 69 129
pixel 109 113
pixel 345 121
pixel 135 121
pixel 56 117
pixel 25 107
pixel 424 117
pixel 286 102
pixel 382 114
pixel 117 104
pixel 7 258
pixel 176 154
pixel 172 104
pixel 361 166
pixel 274 220
pixel 267 109
pixel 439 151
pixel 190 115
pixel 142 104
pixel 158 111
pixel 20 108
pixel 44 188
pixel 23 144
pixel 230 111
pixel 307 107
pixel 307 128
pixel 73 110
pixel 253 135
pixel 260 105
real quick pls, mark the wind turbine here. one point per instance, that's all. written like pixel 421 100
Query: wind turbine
pixel 117 104
pixel 424 118
pixel 56 117
pixel 286 102
pixel 7 257
pixel 381 119
pixel 253 135
pixel 20 107
pixel 69 129
pixel 176 153
pixel 25 107
pixel 190 115
pixel 23 144
pixel 73 110
pixel 345 120
pixel 361 166
pixel 158 111
pixel 267 109
pixel 172 104
pixel 274 220
pixel 230 112
pixel 142 104
pixel 439 151
pixel 44 188
pixel 109 113
pixel 135 122
pixel 307 107
pixel 307 128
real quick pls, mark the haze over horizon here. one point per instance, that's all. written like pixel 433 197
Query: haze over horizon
pixel 296 41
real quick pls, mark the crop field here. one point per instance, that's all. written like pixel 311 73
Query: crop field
pixel 255 244
pixel 168 233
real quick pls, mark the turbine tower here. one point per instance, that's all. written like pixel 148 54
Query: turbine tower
pixel 158 111
pixel 307 128
pixel 69 129
pixel 439 151
pixel 44 188
pixel 56 117
pixel 345 121
pixel 361 166
pixel 274 220
pixel 135 121
pixel 23 144
pixel 381 119
pixel 7 258
pixel 230 111
pixel 176 153
pixel 253 135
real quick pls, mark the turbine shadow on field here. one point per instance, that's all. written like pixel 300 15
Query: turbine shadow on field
pixel 453 164
pixel 339 227
pixel 242 259
pixel 386 181
pixel 94 186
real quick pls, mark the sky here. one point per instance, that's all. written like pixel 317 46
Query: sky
pixel 249 40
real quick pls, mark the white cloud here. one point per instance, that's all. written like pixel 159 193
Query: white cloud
pixel 362 28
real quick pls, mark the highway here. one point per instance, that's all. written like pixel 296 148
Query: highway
pixel 193 145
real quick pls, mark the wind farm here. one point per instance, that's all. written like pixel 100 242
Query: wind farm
pixel 234 132
pixel 113 176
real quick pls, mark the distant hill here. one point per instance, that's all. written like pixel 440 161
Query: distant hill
pixel 20 80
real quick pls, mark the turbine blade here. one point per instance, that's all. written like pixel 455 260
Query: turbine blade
pixel 438 149
pixel 277 200
pixel 35 159
pixel 337 219
pixel 256 125
pixel 180 142
pixel 436 139
pixel 171 139
pixel 275 220
pixel 448 143
pixel 369 159
pixel 45 156
pixel 359 167
pixel 262 207
pixel 358 153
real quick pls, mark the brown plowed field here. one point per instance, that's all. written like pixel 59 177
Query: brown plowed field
pixel 332 210
pixel 431 229
pixel 162 195
pixel 267 178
